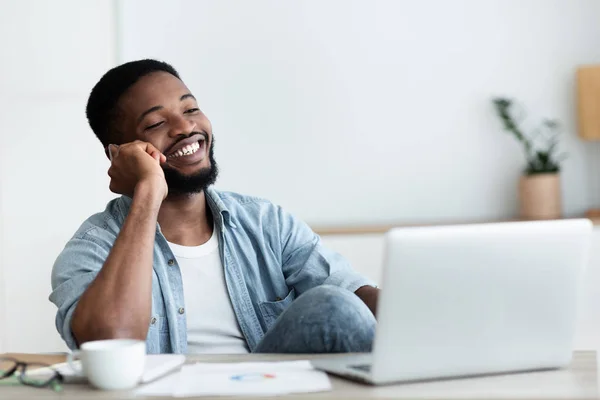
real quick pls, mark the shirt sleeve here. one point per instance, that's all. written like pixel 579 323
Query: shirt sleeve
pixel 307 263
pixel 75 268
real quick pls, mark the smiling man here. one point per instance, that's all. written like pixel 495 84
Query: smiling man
pixel 185 267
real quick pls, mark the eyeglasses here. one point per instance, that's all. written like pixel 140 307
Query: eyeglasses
pixel 31 374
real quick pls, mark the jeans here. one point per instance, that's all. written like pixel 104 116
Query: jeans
pixel 325 319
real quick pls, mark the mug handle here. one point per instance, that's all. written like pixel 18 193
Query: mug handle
pixel 71 358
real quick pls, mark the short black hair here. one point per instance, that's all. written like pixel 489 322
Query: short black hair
pixel 101 107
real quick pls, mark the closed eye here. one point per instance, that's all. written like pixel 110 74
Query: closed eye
pixel 191 110
pixel 156 125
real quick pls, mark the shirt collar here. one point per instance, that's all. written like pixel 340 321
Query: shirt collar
pixel 221 213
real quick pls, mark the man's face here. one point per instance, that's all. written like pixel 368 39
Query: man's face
pixel 161 110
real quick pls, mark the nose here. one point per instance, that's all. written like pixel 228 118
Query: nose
pixel 181 126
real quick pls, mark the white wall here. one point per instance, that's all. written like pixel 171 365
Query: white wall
pixel 337 98
pixel 52 169
pixel 355 111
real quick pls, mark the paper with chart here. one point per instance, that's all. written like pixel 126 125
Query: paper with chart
pixel 244 379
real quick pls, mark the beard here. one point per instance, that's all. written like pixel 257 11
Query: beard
pixel 180 184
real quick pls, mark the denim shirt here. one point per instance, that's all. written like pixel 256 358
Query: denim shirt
pixel 269 258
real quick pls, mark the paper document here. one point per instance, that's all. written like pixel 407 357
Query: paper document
pixel 240 379
pixel 163 387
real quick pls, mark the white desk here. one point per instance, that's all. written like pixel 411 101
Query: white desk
pixel 577 382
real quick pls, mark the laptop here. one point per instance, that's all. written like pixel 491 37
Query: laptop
pixel 469 300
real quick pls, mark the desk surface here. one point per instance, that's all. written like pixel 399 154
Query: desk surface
pixel 579 381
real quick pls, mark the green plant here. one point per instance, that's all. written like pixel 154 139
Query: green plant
pixel 540 159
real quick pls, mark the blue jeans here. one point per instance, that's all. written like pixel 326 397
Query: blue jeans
pixel 325 319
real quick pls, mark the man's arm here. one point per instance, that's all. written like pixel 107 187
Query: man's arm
pixel 307 263
pixel 118 303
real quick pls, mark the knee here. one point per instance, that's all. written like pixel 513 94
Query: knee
pixel 335 301
pixel 343 315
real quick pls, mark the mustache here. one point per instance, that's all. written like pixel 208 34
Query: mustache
pixel 202 133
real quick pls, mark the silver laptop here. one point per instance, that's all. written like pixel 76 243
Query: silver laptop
pixel 474 299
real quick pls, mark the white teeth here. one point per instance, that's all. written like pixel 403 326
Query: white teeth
pixel 187 150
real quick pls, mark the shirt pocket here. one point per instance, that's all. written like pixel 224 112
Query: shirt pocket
pixel 271 310
pixel 158 335
pixel 159 324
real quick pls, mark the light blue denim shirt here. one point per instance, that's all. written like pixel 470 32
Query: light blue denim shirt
pixel 269 258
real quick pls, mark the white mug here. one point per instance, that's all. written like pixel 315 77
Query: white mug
pixel 116 364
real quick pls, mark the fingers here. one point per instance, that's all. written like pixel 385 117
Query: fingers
pixel 150 149
pixel 159 157
pixel 155 153
pixel 113 150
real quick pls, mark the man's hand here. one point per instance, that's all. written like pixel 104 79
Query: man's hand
pixel 369 295
pixel 134 164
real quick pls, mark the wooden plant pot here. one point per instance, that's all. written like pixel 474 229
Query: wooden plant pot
pixel 540 196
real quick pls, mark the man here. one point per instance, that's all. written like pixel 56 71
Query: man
pixel 183 266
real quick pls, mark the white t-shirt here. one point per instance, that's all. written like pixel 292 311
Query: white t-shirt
pixel 211 323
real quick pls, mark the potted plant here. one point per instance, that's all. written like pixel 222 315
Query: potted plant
pixel 539 186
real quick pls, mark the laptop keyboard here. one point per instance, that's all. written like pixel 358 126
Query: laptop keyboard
pixel 362 367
